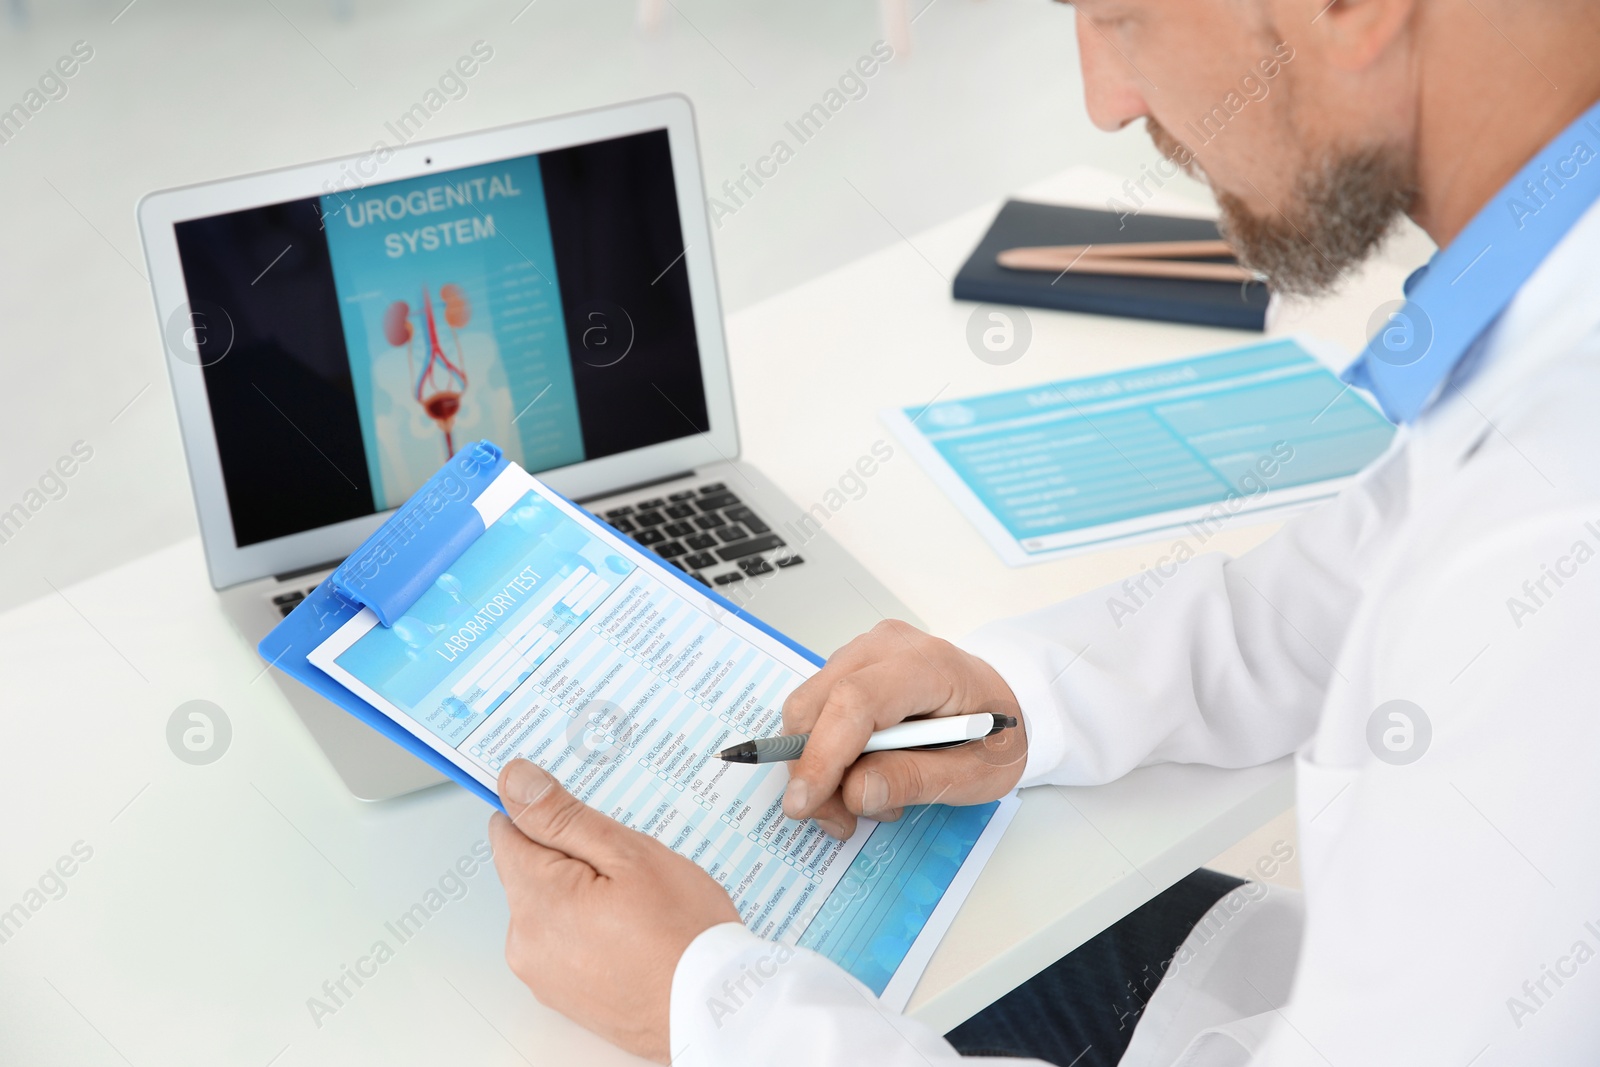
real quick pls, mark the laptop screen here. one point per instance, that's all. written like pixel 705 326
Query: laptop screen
pixel 351 341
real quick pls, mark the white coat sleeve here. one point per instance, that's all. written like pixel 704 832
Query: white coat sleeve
pixel 1202 658
pixel 738 999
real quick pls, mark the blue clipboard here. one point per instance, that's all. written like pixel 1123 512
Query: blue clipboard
pixel 894 899
pixel 397 564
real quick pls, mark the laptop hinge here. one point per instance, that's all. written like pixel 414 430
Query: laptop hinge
pixel 332 563
pixel 633 488
pixel 303 571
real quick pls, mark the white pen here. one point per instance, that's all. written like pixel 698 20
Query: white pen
pixel 940 731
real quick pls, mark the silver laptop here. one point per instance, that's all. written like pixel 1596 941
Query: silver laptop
pixel 335 331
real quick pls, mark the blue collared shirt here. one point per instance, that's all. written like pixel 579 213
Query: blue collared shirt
pixel 1465 287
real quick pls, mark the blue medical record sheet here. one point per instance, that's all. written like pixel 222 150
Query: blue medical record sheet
pixel 1082 463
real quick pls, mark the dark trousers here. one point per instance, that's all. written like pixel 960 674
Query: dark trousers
pixel 1081 1010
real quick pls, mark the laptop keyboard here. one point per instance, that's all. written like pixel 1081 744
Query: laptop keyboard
pixel 286 602
pixel 706 531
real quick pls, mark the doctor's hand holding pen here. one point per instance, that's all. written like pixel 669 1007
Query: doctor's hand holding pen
pixel 892 673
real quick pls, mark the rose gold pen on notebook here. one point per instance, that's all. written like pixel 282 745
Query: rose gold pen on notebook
pixel 1149 259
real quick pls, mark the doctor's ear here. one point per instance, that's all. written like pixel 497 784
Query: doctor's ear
pixel 1352 35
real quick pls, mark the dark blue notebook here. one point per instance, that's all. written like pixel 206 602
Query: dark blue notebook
pixel 1022 223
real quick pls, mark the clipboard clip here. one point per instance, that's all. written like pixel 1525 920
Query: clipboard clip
pixel 424 536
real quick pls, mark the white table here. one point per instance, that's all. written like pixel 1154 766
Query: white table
pixel 219 898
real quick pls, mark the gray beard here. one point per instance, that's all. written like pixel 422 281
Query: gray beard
pixel 1340 210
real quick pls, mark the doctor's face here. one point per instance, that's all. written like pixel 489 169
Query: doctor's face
pixel 1309 166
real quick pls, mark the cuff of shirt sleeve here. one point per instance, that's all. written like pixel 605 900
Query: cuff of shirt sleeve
pixel 693 1014
pixel 1019 667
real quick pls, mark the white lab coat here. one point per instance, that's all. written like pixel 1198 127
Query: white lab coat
pixel 1451 912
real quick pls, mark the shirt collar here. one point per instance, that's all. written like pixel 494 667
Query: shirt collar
pixel 1466 286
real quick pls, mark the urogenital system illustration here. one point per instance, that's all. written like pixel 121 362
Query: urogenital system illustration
pixel 442 380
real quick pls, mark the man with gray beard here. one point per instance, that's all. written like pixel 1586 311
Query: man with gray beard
pixel 1423 644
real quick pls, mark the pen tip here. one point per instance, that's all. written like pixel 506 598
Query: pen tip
pixel 743 752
